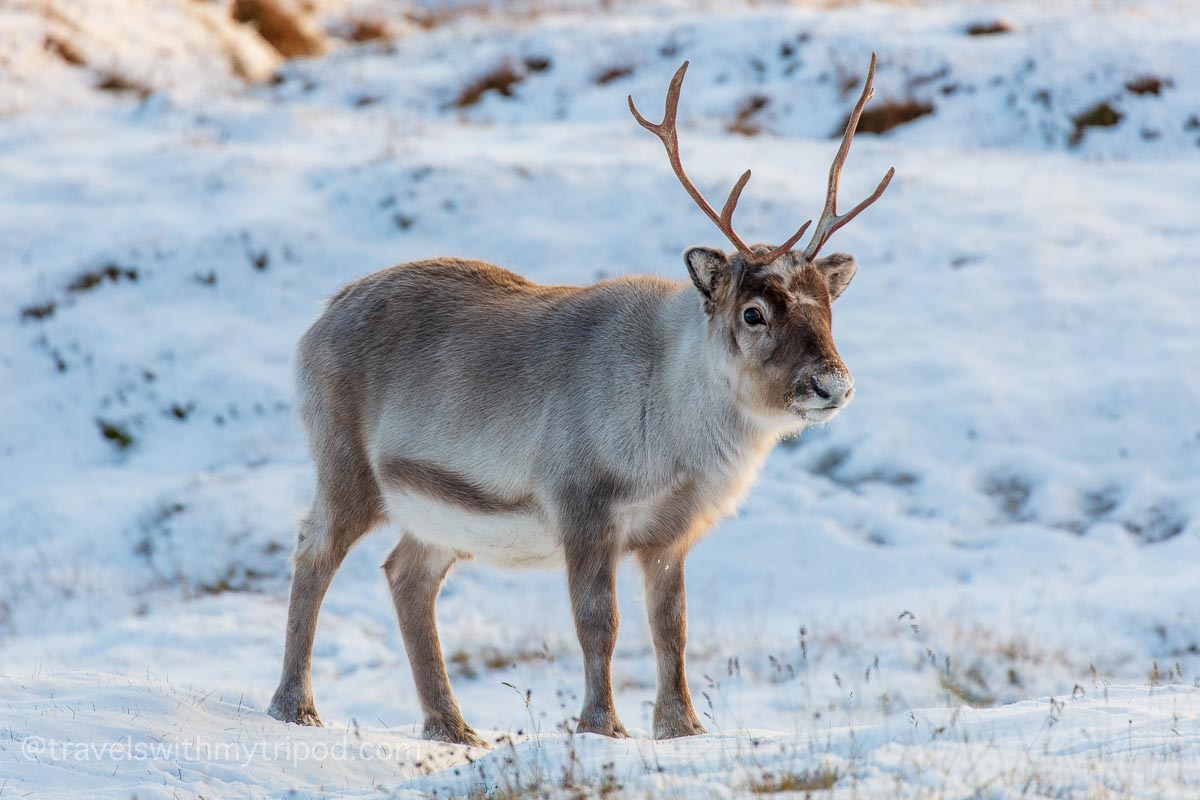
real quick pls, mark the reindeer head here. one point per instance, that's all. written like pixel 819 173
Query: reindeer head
pixel 774 323
pixel 770 306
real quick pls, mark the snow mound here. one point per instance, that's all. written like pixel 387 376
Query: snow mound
pixel 110 736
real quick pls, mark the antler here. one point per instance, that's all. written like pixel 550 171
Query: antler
pixel 830 221
pixel 666 131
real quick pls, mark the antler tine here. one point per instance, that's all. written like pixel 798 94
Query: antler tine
pixel 758 259
pixel 767 258
pixel 830 221
pixel 735 194
pixel 667 132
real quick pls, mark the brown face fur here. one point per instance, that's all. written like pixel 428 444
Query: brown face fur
pixel 781 357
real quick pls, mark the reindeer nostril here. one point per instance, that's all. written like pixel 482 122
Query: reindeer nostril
pixel 821 393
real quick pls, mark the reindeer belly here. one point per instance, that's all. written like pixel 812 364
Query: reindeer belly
pixel 508 538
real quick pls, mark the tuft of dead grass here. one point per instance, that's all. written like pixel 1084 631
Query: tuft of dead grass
pixel 491 659
pixel 233 580
pixel 1101 115
pixel 1148 84
pixel 368 30
pixel 613 73
pixel 819 779
pixel 1156 524
pixel 282 26
pixel 434 15
pixel 116 82
pixel 988 28
pixel 1011 493
pixel 428 18
pixel 112 273
pixel 115 433
pixel 970 688
pixel 64 50
pixel 883 116
pixel 500 79
pixel 746 120
pixel 39 311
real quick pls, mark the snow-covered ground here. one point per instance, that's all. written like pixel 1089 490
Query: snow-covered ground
pixel 1009 512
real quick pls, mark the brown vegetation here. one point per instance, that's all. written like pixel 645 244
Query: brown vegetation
pixel 492 659
pixel 116 82
pixel 889 114
pixel 821 778
pixel 281 26
pixel 500 79
pixel 746 121
pixel 1148 84
pixel 86 281
pixel 115 433
pixel 990 28
pixel 368 30
pixel 39 310
pixel 64 50
pixel 1101 115
pixel 614 73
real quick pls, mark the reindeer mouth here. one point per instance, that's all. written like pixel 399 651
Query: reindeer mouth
pixel 819 414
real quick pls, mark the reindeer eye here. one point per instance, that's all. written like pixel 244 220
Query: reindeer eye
pixel 753 317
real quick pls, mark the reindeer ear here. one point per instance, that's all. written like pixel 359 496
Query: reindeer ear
pixel 838 270
pixel 708 267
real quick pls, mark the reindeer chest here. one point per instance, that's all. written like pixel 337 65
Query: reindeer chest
pixel 682 511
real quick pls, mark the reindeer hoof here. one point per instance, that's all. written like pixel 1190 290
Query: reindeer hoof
pixel 453 732
pixel 296 712
pixel 673 726
pixel 603 722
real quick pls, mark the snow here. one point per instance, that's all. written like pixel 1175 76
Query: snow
pixel 155 740
pixel 1008 512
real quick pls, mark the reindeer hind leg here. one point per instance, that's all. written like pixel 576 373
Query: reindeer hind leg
pixel 348 505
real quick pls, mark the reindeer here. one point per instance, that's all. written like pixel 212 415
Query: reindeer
pixel 495 418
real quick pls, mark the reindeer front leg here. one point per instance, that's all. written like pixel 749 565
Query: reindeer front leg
pixel 591 550
pixel 662 570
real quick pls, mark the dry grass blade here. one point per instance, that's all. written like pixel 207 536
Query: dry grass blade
pixel 822 778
